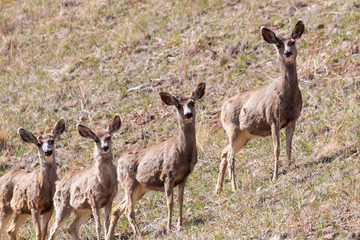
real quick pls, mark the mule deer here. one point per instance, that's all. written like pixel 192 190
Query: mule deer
pixel 160 167
pixel 86 191
pixel 264 111
pixel 29 191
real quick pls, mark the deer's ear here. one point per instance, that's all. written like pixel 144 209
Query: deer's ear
pixel 86 132
pixel 59 128
pixel 298 29
pixel 199 91
pixel 168 99
pixel 268 35
pixel 27 136
pixel 114 124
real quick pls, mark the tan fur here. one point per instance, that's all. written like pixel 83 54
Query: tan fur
pixel 30 191
pixel 88 190
pixel 160 167
pixel 264 111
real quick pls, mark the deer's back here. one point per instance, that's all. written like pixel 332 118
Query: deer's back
pixel 149 166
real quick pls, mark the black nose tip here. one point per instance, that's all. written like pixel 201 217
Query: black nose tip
pixel 188 115
pixel 48 153
pixel 288 54
pixel 105 148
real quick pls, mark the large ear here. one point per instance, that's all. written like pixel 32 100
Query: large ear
pixel 59 128
pixel 86 132
pixel 268 35
pixel 199 91
pixel 168 99
pixel 27 136
pixel 298 29
pixel 114 124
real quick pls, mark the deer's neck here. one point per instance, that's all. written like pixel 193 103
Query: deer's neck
pixel 103 157
pixel 48 170
pixel 187 139
pixel 289 80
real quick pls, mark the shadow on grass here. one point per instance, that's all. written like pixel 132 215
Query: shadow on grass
pixel 349 151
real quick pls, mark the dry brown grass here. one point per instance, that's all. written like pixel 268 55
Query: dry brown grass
pixel 79 59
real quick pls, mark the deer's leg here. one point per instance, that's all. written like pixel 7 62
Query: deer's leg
pixel 35 214
pixel 107 210
pixel 180 202
pixel 45 222
pixel 275 132
pixel 96 212
pixel 133 196
pixel 19 220
pixel 223 165
pixel 80 218
pixel 63 212
pixel 236 144
pixel 116 213
pixel 5 215
pixel 169 191
pixel 289 130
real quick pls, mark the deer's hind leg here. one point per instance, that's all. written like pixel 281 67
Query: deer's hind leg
pixel 238 139
pixel 133 197
pixel 63 212
pixel 18 220
pixel 80 218
pixel 116 213
pixel 5 215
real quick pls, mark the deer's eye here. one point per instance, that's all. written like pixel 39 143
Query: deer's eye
pixel 108 138
pixel 191 104
pixel 178 106
pixel 292 43
pixel 279 45
pixel 97 140
pixel 51 142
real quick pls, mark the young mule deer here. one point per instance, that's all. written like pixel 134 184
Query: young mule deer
pixel 264 111
pixel 88 190
pixel 29 191
pixel 160 167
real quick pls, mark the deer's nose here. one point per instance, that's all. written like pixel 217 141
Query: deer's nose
pixel 288 54
pixel 105 148
pixel 188 115
pixel 48 153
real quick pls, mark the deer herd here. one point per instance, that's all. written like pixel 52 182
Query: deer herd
pixel 38 192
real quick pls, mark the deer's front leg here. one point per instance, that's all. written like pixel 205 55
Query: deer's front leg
pixel 96 212
pixel 45 222
pixel 107 210
pixel 180 202
pixel 289 130
pixel 35 214
pixel 169 191
pixel 275 132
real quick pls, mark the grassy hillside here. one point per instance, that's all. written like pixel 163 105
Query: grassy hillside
pixel 87 60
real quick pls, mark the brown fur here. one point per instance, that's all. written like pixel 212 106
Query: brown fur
pixel 88 190
pixel 264 111
pixel 30 191
pixel 160 167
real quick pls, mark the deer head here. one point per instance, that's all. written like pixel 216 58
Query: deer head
pixel 44 143
pixel 102 138
pixel 286 47
pixel 185 104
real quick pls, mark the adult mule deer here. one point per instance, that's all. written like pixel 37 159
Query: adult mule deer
pixel 160 167
pixel 86 191
pixel 30 191
pixel 264 111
